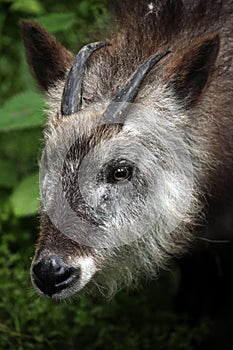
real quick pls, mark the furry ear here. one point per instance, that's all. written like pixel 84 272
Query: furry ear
pixel 190 70
pixel 47 58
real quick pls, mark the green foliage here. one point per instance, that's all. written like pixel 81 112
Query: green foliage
pixel 56 22
pixel 27 6
pixel 142 320
pixel 24 199
pixel 30 322
pixel 7 175
pixel 23 110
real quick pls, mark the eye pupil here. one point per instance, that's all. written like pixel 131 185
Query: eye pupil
pixel 121 173
pixel 115 171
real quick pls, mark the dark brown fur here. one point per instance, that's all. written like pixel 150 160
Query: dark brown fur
pixel 188 29
pixel 173 25
pixel 51 240
pixel 48 59
pixel 197 73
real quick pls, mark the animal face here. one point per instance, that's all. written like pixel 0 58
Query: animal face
pixel 105 189
pixel 121 170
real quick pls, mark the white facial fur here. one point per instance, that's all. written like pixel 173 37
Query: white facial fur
pixel 138 239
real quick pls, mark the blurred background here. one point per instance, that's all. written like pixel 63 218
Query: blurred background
pixel 160 315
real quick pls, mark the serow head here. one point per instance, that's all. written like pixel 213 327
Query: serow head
pixel 116 173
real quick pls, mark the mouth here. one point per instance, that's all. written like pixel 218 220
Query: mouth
pixel 55 279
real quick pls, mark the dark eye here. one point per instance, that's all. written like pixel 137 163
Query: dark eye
pixel 122 173
pixel 116 171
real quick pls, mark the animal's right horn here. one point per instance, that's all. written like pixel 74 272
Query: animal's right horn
pixel 71 98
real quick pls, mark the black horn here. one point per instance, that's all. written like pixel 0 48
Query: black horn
pixel 71 97
pixel 115 110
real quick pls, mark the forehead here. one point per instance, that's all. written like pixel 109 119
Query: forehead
pixel 84 125
pixel 88 142
pixel 71 138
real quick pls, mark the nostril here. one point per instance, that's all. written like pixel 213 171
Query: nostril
pixel 51 275
pixel 51 269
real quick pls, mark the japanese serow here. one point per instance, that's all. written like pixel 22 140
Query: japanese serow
pixel 138 145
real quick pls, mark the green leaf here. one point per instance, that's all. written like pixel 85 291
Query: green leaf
pixel 24 200
pixel 56 22
pixel 33 7
pixel 22 111
pixel 85 8
pixel 8 175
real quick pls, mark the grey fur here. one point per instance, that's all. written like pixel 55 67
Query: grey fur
pixel 177 137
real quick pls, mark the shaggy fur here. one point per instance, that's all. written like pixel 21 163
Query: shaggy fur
pixel 178 136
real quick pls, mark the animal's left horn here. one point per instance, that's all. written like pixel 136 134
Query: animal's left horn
pixel 115 110
pixel 71 97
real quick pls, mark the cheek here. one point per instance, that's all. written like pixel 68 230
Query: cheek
pixel 117 201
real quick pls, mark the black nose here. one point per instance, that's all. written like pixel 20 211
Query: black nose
pixel 52 276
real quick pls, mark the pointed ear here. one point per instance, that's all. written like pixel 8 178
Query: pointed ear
pixel 190 70
pixel 47 58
